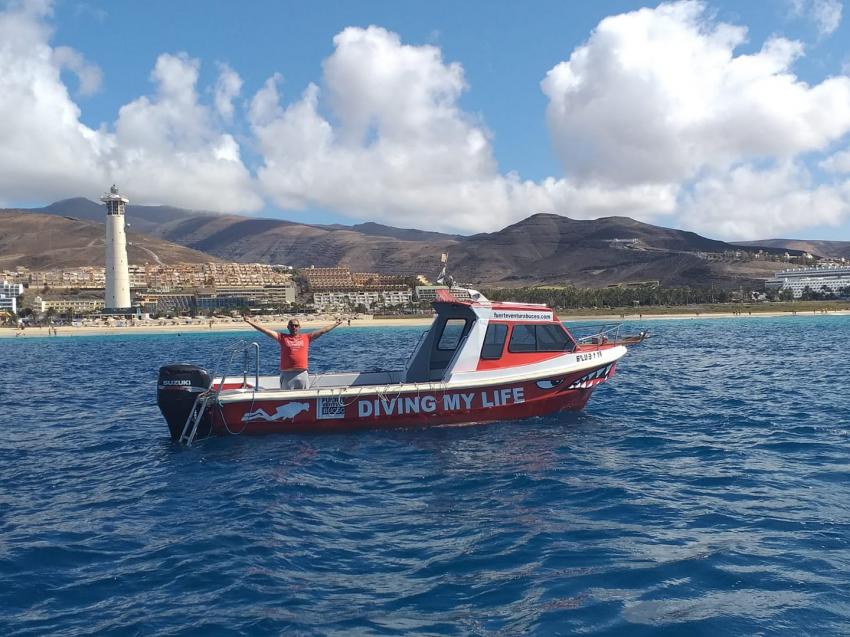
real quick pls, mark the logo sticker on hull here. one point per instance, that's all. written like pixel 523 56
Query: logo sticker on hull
pixel 329 408
pixel 287 411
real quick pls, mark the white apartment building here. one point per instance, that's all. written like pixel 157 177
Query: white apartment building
pixel 8 304
pixel 429 292
pixel 9 293
pixel 352 298
pixel 817 279
pixel 63 305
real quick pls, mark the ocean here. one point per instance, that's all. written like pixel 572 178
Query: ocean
pixel 705 490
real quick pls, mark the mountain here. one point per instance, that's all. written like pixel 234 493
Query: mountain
pixel 831 249
pixel 43 241
pixel 542 249
pixel 142 218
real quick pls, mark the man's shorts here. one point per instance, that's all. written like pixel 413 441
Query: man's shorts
pixel 294 380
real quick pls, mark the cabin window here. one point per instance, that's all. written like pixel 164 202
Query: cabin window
pixel 553 338
pixel 452 333
pixel 546 337
pixel 494 341
pixel 523 339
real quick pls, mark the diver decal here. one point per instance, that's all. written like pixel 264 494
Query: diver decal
pixel 287 411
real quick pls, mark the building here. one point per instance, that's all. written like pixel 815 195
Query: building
pixel 344 279
pixel 345 299
pixel 429 292
pixel 64 305
pixel 9 293
pixel 117 296
pixel 833 279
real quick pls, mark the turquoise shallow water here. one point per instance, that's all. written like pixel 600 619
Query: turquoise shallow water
pixel 705 490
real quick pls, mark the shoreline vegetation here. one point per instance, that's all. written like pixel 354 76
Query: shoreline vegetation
pixel 181 326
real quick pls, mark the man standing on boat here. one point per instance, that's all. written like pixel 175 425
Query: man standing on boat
pixel 294 348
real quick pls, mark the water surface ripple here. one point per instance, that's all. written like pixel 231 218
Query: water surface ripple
pixel 703 491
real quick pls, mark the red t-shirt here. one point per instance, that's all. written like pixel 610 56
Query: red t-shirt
pixel 293 351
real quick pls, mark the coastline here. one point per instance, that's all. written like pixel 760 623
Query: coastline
pixel 239 326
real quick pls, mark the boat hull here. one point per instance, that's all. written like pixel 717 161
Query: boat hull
pixel 247 412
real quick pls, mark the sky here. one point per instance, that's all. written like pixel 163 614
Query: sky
pixel 730 119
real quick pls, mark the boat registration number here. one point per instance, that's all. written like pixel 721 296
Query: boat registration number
pixel 589 356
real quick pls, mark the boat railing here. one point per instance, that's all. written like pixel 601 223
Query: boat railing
pixel 210 396
pixel 595 333
pixel 240 347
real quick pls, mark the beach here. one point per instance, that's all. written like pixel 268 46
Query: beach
pixel 235 325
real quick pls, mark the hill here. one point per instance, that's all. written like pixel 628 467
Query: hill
pixel 831 249
pixel 43 241
pixel 542 249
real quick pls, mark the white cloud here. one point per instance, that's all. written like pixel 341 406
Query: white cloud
pixel 659 96
pixel 89 75
pixel 824 14
pixel 167 148
pixel 837 163
pixel 827 15
pixel 656 113
pixel 750 203
pixel 399 148
pixel 227 87
pixel 44 149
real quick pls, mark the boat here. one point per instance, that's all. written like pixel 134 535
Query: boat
pixel 479 362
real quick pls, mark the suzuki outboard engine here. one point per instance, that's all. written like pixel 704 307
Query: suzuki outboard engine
pixel 176 390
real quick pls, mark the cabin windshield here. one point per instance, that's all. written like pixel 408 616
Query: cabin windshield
pixel 452 332
pixel 441 343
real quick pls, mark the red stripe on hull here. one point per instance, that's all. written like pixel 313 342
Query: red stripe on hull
pixel 411 409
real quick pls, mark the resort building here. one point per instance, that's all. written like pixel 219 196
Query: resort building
pixel 344 279
pixel 368 298
pixel 429 292
pixel 833 279
pixel 9 293
pixel 63 305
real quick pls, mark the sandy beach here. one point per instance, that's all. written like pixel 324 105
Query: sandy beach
pixel 239 326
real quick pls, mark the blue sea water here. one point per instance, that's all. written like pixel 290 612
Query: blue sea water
pixel 705 490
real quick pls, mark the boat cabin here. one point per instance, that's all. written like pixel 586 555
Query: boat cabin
pixel 477 335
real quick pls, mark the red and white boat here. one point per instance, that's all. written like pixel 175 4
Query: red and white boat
pixel 480 361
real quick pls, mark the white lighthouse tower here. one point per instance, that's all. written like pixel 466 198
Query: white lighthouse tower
pixel 117 272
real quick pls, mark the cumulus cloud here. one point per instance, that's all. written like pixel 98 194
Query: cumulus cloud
pixel 398 147
pixel 659 96
pixel 44 149
pixel 168 144
pixel 824 14
pixel 227 87
pixel 89 75
pixel 837 163
pixel 166 147
pixel 656 113
pixel 752 203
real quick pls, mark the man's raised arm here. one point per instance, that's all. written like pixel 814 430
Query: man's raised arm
pixel 260 328
pixel 324 330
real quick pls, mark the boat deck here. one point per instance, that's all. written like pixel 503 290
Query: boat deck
pixel 336 380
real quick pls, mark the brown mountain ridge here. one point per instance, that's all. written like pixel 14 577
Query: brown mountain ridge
pixel 542 249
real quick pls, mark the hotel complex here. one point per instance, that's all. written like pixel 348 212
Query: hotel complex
pixel 9 293
pixel 832 279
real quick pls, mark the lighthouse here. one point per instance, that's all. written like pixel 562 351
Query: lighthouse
pixel 117 273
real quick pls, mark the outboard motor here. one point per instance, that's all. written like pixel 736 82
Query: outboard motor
pixel 177 388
